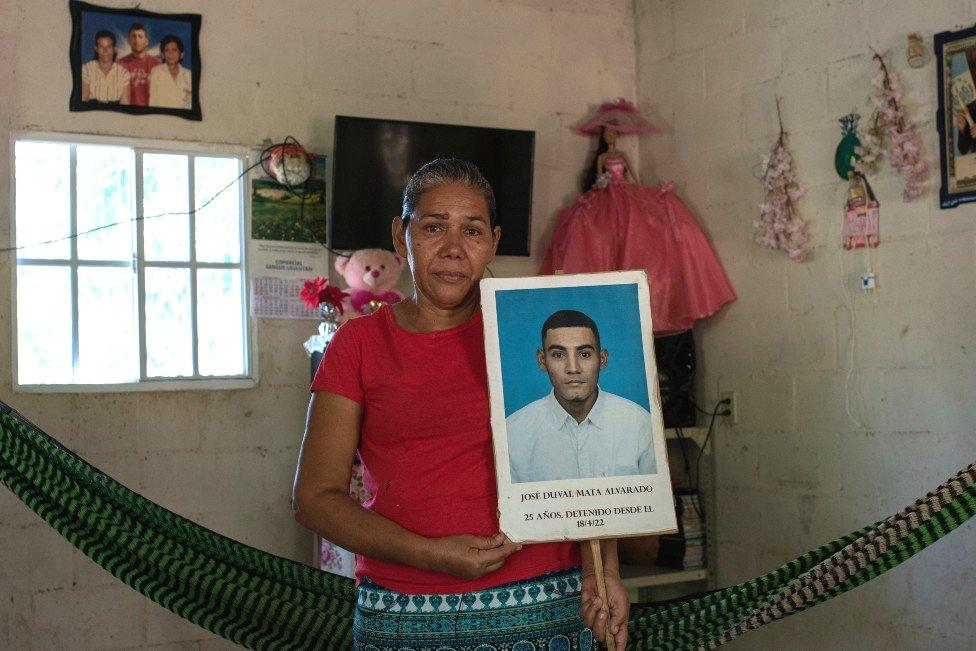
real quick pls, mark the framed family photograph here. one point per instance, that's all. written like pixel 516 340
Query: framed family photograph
pixel 955 55
pixel 134 61
pixel 575 410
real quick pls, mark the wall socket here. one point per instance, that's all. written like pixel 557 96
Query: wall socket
pixel 732 406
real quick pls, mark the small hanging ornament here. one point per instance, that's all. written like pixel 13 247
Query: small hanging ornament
pixel 847 147
pixel 861 215
pixel 916 50
pixel 290 164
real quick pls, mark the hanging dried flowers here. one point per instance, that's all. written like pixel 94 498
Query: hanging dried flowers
pixel 779 225
pixel 893 134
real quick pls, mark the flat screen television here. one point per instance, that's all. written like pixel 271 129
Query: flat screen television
pixel 373 160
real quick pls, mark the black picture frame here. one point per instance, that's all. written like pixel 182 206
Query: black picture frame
pixel 93 26
pixel 955 56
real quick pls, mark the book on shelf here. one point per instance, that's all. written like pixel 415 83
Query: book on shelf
pixel 685 550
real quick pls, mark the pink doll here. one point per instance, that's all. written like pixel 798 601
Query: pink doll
pixel 617 224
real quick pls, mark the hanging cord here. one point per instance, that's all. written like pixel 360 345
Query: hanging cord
pixel 679 431
pixel 851 395
pixel 262 162
pixel 73 236
pixel 699 509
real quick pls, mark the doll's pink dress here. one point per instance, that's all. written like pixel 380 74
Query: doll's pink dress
pixel 626 226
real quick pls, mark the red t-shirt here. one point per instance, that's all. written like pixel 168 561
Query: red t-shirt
pixel 139 70
pixel 426 443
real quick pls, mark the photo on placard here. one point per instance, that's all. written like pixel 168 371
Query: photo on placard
pixel 134 61
pixel 576 416
pixel 955 55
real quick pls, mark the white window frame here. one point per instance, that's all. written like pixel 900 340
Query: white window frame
pixel 141 146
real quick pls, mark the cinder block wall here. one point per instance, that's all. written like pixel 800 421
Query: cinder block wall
pixel 850 404
pixel 226 458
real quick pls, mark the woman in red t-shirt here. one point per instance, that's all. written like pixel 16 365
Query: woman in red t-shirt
pixel 406 388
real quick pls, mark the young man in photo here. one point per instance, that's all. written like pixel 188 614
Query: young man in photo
pixel 578 430
pixel 139 64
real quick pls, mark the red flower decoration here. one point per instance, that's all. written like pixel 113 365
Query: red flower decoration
pixel 333 296
pixel 310 291
pixel 318 290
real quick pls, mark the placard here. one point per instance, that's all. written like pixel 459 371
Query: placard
pixel 575 410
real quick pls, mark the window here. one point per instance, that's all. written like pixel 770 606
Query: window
pixel 119 284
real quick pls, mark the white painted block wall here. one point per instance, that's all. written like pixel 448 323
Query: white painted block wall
pixel 226 459
pixel 802 346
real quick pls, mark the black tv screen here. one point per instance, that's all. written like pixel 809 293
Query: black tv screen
pixel 374 159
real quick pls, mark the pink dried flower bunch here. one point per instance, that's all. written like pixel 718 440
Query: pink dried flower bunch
pixel 895 135
pixel 779 225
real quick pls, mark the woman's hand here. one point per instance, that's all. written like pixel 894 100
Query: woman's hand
pixel 595 619
pixel 469 557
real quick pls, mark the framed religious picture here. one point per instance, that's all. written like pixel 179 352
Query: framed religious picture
pixel 955 55
pixel 134 61
pixel 575 409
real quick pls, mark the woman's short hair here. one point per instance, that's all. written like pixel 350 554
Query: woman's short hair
pixel 446 170
pixel 170 38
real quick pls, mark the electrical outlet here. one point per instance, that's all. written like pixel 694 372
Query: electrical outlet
pixel 869 280
pixel 731 405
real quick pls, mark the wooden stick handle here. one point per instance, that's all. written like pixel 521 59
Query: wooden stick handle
pixel 601 590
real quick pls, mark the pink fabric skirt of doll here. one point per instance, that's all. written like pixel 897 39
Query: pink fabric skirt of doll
pixel 626 226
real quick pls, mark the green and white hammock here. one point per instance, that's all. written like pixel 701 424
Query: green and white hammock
pixel 262 601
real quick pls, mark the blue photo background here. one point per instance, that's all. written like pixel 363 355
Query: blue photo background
pixel 92 21
pixel 614 308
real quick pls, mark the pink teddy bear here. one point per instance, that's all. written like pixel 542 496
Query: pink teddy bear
pixel 371 275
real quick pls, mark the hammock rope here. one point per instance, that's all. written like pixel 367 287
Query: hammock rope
pixel 262 601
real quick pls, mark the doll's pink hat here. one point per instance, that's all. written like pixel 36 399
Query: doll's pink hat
pixel 621 116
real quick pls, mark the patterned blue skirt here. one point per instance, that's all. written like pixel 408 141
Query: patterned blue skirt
pixel 538 614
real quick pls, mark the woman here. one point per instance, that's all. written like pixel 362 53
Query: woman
pixel 102 79
pixel 406 387
pixel 170 84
